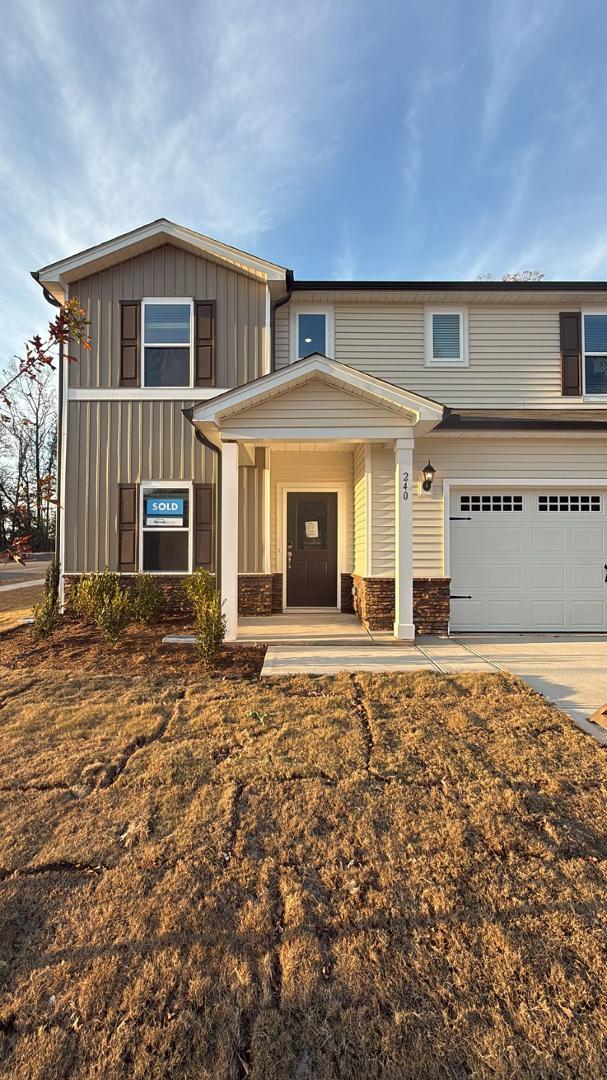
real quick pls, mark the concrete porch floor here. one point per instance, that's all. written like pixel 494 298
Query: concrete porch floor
pixel 310 628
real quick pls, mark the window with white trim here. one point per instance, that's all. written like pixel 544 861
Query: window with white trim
pixel 311 331
pixel 167 342
pixel 581 504
pixel 595 353
pixel 491 503
pixel 166 546
pixel 447 337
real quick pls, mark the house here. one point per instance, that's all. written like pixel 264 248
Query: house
pixel 432 455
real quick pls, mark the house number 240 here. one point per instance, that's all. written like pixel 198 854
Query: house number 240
pixel 405 486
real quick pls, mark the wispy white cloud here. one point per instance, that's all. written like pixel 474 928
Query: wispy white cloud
pixel 423 97
pixel 345 263
pixel 517 30
pixel 220 120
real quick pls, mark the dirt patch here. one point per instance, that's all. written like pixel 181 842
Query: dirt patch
pixel 379 876
pixel 79 647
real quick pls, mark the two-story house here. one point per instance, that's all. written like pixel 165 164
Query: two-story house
pixel 428 454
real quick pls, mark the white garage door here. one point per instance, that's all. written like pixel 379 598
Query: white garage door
pixel 526 559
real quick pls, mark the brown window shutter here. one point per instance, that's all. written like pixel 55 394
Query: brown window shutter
pixel 128 498
pixel 571 353
pixel 204 331
pixel 130 350
pixel 203 526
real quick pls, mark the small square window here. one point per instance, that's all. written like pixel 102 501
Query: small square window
pixel 167 335
pixel 311 331
pixel 447 338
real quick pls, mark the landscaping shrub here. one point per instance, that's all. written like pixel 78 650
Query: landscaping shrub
pixel 210 624
pixel 102 600
pixel 46 612
pixel 147 599
pixel 114 615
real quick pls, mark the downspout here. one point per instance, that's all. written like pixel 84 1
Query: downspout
pixel 202 439
pixel 273 309
pixel 50 299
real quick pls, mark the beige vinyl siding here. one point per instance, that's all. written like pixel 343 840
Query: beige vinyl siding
pixel 281 336
pixel 240 330
pixel 535 460
pixel 314 404
pixel 250 520
pixel 310 468
pixel 514 351
pixel 111 443
pixel 382 512
pixel 360 512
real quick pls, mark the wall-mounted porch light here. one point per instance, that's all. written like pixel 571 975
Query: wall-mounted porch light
pixel 428 474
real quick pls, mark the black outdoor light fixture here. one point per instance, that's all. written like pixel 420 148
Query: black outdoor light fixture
pixel 428 474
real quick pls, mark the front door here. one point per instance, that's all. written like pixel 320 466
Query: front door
pixel 312 549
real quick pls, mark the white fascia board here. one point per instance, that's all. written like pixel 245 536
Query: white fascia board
pixel 55 273
pixel 339 374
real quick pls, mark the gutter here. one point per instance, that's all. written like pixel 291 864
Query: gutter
pixel 273 309
pixel 202 439
pixel 50 299
pixel 449 286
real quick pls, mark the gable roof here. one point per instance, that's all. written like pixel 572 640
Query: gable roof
pixel 56 275
pixel 420 411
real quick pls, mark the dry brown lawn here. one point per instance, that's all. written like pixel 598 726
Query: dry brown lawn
pixel 17 604
pixel 353 877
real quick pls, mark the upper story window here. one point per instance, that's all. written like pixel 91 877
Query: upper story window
pixel 447 337
pixel 595 354
pixel 167 342
pixel 311 331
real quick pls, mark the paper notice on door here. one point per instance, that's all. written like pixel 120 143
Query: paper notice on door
pixel 311 530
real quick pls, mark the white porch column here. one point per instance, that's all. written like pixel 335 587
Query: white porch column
pixel 403 539
pixel 229 537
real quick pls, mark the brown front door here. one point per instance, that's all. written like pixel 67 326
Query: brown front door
pixel 312 549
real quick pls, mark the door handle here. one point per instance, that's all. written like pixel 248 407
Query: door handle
pixel 605 569
pixel 290 559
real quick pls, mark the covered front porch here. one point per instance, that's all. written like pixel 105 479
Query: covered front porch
pixel 316 497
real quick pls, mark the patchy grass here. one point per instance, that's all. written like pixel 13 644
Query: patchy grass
pixel 17 604
pixel 374 876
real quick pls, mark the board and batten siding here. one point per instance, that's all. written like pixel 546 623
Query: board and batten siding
pixel 250 520
pixel 534 460
pixel 310 468
pixel 120 442
pixel 514 352
pixel 360 511
pixel 240 314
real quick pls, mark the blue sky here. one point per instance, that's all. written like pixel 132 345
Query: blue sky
pixel 401 139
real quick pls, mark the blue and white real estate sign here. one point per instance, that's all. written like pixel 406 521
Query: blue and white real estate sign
pixel 164 511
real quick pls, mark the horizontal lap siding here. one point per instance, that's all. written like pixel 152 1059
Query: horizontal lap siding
pixel 310 468
pixel 360 510
pixel 514 353
pixel 112 443
pixel 281 337
pixel 240 332
pixel 382 512
pixel 313 404
pixel 525 459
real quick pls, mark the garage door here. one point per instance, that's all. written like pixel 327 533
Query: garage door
pixel 528 559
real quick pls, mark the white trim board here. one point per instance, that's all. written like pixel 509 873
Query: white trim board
pixel 283 488
pixel 490 483
pixel 144 393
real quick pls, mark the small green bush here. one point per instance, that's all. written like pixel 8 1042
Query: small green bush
pixel 114 615
pixel 102 599
pixel 210 624
pixel 93 592
pixel 46 617
pixel 147 599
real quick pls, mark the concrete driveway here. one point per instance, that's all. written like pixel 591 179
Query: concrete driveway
pixel 569 669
